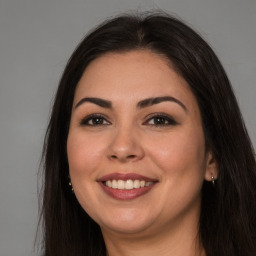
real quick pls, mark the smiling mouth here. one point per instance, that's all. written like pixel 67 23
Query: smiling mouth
pixel 127 184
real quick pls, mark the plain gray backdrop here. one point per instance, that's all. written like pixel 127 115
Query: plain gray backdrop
pixel 36 40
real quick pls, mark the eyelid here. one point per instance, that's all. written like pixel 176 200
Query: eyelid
pixel 87 118
pixel 171 121
pixel 169 118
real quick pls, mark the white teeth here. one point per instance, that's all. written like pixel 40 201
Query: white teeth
pixel 142 183
pixel 120 184
pixel 136 184
pixel 114 184
pixel 109 183
pixel 128 184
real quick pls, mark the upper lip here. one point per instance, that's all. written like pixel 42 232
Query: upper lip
pixel 125 176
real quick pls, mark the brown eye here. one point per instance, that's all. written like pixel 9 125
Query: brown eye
pixel 94 120
pixel 161 120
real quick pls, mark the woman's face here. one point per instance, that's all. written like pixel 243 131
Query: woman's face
pixel 136 147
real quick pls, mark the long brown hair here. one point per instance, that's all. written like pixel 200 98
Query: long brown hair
pixel 227 223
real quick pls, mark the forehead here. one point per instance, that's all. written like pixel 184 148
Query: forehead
pixel 140 73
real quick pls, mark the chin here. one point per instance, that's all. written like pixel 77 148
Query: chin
pixel 127 223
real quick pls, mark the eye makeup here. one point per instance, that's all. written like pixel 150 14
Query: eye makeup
pixel 155 119
pixel 94 120
pixel 160 119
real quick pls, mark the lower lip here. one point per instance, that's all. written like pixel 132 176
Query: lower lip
pixel 125 194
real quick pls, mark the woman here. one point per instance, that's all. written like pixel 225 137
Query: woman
pixel 146 152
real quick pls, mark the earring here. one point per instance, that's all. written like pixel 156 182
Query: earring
pixel 70 184
pixel 213 181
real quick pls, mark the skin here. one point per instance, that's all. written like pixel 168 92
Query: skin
pixel 128 140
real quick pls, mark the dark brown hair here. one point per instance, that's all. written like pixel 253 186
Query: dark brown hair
pixel 228 213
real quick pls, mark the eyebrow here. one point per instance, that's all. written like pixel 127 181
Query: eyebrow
pixel 152 101
pixel 97 101
pixel 141 104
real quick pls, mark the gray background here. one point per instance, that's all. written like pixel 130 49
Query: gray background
pixel 36 40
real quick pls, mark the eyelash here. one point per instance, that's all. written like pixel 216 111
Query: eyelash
pixel 94 117
pixel 168 121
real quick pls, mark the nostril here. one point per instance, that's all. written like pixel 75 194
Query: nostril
pixel 126 157
pixel 131 156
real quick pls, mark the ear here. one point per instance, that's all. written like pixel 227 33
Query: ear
pixel 211 170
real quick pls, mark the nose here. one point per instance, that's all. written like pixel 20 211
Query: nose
pixel 125 146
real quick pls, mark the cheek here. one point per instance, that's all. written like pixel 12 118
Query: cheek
pixel 84 153
pixel 84 156
pixel 180 154
pixel 181 159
